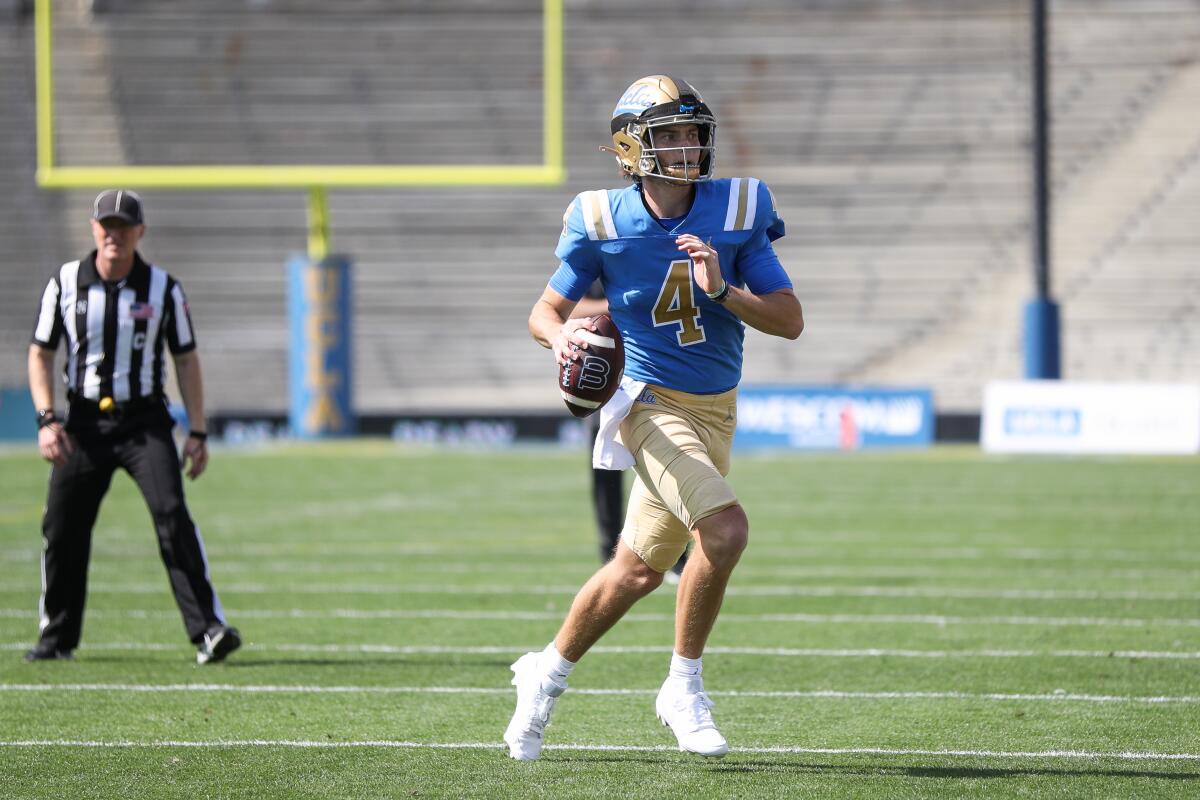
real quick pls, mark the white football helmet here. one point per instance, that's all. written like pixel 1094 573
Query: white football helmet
pixel 654 102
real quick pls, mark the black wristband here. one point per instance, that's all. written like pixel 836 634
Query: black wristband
pixel 720 296
pixel 199 436
pixel 45 416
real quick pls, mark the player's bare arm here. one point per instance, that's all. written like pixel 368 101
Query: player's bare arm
pixel 553 327
pixel 776 313
pixel 589 307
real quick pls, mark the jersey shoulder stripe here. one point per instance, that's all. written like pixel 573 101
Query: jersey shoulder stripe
pixel 743 204
pixel 68 276
pixel 597 215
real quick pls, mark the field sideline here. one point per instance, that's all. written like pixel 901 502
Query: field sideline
pixel 926 624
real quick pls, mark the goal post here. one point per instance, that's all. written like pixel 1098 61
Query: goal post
pixel 551 171
pixel 319 285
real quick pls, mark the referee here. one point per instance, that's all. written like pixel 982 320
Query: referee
pixel 119 315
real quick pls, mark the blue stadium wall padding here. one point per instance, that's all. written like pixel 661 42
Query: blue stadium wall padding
pixel 1042 358
pixel 320 358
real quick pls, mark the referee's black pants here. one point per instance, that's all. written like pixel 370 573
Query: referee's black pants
pixel 142 445
pixel 608 498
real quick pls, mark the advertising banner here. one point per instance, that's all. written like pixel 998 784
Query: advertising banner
pixel 1067 417
pixel 833 417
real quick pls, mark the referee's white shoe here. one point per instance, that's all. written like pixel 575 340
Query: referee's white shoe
pixel 684 707
pixel 536 695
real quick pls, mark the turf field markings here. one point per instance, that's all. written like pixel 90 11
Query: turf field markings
pixel 320 563
pixel 457 589
pixel 780 590
pixel 447 498
pixel 607 748
pixel 515 616
pixel 519 552
pixel 823 694
pixel 779 652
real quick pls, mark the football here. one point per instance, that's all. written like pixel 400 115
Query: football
pixel 588 382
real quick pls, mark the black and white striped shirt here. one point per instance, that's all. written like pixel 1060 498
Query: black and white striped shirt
pixel 115 331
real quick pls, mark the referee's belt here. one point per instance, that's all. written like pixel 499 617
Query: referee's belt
pixel 108 407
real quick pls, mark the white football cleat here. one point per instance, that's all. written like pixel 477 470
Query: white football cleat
pixel 536 695
pixel 683 706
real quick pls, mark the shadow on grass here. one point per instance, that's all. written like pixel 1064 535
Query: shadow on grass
pixel 735 765
pixel 954 772
pixel 309 662
pixel 384 660
pixel 250 661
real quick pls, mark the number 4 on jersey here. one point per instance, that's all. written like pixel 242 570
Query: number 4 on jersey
pixel 676 305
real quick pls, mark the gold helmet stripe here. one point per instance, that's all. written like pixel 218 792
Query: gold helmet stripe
pixel 668 85
pixel 597 216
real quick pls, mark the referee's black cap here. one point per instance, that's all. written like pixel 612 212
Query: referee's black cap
pixel 118 204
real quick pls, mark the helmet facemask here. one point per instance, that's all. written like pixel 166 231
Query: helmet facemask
pixel 682 164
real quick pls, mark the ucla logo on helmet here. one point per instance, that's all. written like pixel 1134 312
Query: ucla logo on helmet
pixel 638 98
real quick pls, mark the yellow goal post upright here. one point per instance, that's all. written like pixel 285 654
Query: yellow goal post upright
pixel 320 402
pixel 315 178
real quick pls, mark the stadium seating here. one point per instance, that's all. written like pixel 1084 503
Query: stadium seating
pixel 894 135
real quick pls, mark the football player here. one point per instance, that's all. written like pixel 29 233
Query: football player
pixel 686 262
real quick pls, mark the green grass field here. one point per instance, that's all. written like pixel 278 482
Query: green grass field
pixel 934 624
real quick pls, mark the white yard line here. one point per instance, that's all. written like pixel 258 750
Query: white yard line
pixel 939 620
pixel 401 587
pixel 956 592
pixel 779 652
pixel 1077 558
pixel 883 751
pixel 402 568
pixel 1046 697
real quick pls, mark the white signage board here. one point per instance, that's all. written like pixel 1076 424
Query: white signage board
pixel 1065 417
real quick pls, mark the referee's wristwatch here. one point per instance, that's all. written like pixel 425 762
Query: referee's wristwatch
pixel 45 416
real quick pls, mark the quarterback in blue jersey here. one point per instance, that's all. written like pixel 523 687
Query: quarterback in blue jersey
pixel 686 262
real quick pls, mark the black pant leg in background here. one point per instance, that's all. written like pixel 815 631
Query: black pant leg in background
pixel 151 458
pixel 73 501
pixel 608 492
pixel 608 499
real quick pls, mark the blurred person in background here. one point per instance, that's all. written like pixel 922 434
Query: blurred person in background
pixel 686 263
pixel 119 316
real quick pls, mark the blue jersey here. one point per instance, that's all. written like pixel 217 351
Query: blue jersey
pixel 674 335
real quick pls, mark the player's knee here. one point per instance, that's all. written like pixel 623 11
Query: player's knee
pixel 635 575
pixel 640 579
pixel 643 580
pixel 723 536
